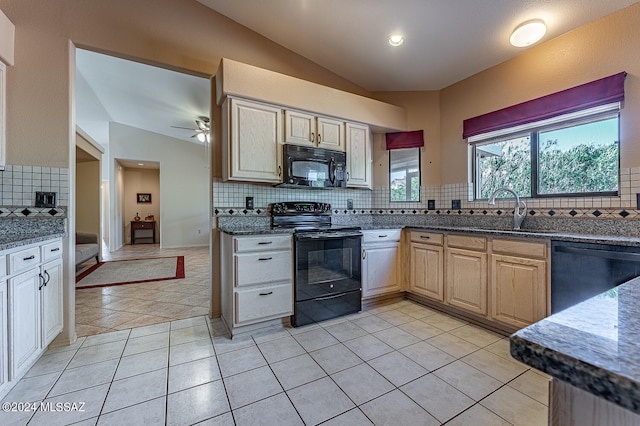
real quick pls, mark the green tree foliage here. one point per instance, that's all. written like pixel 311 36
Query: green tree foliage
pixel 584 168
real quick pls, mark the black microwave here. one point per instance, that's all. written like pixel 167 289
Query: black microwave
pixel 307 167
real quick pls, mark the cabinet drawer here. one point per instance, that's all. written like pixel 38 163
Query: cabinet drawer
pixel 3 265
pixel 23 260
pixel 262 303
pixel 262 243
pixel 265 267
pixel 52 250
pixel 380 236
pixel 142 225
pixel 426 237
pixel 524 248
pixel 469 243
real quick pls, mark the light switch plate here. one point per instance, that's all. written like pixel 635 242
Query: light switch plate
pixel 456 204
pixel 431 204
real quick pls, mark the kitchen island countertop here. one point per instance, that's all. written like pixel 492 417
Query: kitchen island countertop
pixel 594 345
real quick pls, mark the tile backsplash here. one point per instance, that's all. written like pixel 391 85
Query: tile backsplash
pixel 19 184
pixel 229 199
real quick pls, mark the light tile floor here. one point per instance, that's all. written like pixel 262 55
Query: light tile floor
pixel 399 364
pixel 105 309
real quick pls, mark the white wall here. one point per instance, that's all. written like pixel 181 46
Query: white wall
pixel 184 182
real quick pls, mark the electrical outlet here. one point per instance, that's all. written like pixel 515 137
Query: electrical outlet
pixel 350 204
pixel 456 204
pixel 431 204
pixel 248 203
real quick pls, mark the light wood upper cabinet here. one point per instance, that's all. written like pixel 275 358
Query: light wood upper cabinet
pixel 358 155
pixel 331 133
pixel 254 134
pixel 307 129
pixel 519 282
pixel 466 277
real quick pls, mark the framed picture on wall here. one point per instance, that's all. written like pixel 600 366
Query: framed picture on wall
pixel 144 198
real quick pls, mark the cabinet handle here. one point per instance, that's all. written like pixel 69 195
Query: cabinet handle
pixel 55 249
pixel 33 256
pixel 265 258
pixel 382 236
pixel 48 278
pixel 319 138
pixel 279 170
pixel 364 254
pixel 424 237
pixel 42 281
pixel 266 294
pixel 265 242
pixel 347 176
pixel 313 137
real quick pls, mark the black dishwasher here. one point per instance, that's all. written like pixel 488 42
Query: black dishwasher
pixel 582 270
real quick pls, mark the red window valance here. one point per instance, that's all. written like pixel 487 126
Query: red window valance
pixel 599 92
pixel 401 140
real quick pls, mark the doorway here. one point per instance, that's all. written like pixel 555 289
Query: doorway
pixel 141 114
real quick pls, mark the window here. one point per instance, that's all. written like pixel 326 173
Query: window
pixel 571 156
pixel 404 174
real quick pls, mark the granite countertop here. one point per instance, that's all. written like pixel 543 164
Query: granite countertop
pixel 537 234
pixel 526 233
pixel 594 345
pixel 17 240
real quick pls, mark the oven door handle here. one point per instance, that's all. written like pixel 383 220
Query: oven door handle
pixel 335 296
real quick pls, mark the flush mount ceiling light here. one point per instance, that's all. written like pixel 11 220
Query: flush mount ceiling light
pixel 528 33
pixel 395 40
pixel 140 164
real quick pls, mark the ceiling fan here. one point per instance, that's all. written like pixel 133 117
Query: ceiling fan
pixel 202 130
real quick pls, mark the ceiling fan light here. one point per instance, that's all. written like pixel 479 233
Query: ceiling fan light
pixel 201 137
pixel 528 33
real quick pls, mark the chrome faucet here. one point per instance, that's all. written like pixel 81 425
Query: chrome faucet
pixel 517 216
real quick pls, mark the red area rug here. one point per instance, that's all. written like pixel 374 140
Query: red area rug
pixel 131 271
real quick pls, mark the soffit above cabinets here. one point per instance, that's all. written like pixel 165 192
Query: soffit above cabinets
pixel 445 41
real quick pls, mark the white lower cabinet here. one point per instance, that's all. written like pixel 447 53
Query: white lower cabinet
pixel 380 262
pixel 24 321
pixel 4 342
pixel 257 280
pixel 31 280
pixel 51 298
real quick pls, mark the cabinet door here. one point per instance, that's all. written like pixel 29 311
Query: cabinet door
pixel 358 156
pixel 467 280
pixel 4 345
pixel 299 128
pixel 51 301
pixel 427 270
pixel 380 270
pixel 330 133
pixel 24 321
pixel 256 137
pixel 519 290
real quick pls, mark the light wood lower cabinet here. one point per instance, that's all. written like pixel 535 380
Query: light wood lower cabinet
pixel 502 280
pixel 518 282
pixel 427 266
pixel 466 280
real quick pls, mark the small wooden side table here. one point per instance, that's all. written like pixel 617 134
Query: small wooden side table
pixel 140 230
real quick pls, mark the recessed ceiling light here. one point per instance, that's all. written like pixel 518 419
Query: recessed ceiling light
pixel 140 164
pixel 528 33
pixel 395 40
